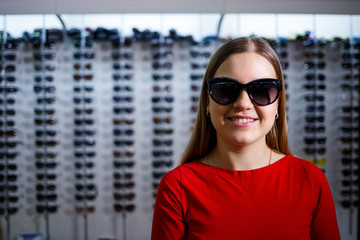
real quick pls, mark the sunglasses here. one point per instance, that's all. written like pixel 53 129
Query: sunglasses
pixel 312 108
pixel 126 55
pixel 157 55
pixel 7 100
pixel 8 89
pixel 262 92
pixel 85 55
pixel 123 99
pixel 313 97
pixel 158 131
pixel 7 123
pixel 89 209
pixel 349 160
pixel 158 142
pixel 158 120
pixel 83 121
pixel 11 144
pixel 123 142
pixel 78 66
pixel 120 132
pixel 157 77
pixel 38 111
pixel 50 121
pixel 47 132
pixel 81 132
pixel 77 77
pixel 45 56
pixel 48 176
pixel 195 77
pixel 117 77
pixel 162 153
pixel 158 175
pixel 79 165
pixel 312 129
pixel 312 65
pixel 9 166
pixel 121 164
pixel 80 187
pixel 84 154
pixel 48 187
pixel 40 155
pixel 117 66
pixel 118 121
pixel 48 100
pixel 127 153
pixel 45 208
pixel 10 112
pixel 127 196
pixel 129 185
pixel 8 155
pixel 49 143
pixel 165 65
pixel 10 188
pixel 39 79
pixel 85 88
pixel 49 165
pixel 198 66
pixel 312 76
pixel 196 54
pixel 126 175
pixel 78 100
pixel 9 198
pixel 49 197
pixel 10 210
pixel 81 176
pixel 9 56
pixel 79 111
pixel 162 163
pixel 312 140
pixel 167 99
pixel 123 110
pixel 118 88
pixel 85 142
pixel 8 133
pixel 121 208
pixel 40 68
pixel 8 79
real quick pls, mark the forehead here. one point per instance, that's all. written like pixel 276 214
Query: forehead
pixel 246 67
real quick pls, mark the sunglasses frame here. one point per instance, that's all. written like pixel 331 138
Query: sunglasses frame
pixel 241 86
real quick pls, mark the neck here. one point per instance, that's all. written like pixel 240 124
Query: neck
pixel 250 157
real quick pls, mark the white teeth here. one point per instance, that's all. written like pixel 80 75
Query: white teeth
pixel 242 120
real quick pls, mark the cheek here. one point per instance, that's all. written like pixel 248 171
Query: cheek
pixel 217 113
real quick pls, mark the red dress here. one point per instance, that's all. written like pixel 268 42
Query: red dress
pixel 290 199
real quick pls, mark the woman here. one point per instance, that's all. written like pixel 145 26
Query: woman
pixel 237 178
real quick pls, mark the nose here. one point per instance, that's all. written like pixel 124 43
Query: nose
pixel 243 101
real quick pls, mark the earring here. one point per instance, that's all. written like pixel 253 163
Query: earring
pixel 276 116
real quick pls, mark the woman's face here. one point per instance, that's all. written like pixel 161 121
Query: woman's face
pixel 243 122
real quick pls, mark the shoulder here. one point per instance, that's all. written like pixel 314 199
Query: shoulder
pixel 182 174
pixel 176 174
pixel 308 169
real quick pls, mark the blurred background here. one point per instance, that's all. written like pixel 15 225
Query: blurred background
pixel 98 101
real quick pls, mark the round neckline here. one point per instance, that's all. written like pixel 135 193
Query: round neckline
pixel 244 171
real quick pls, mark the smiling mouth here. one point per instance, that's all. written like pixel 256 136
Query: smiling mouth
pixel 242 120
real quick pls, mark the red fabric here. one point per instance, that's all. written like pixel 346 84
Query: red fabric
pixel 289 199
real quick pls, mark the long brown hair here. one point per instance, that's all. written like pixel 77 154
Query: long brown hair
pixel 203 138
